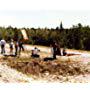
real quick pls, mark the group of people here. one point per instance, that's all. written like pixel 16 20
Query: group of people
pixel 55 50
pixel 15 47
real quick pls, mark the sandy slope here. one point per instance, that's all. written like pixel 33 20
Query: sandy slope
pixel 8 74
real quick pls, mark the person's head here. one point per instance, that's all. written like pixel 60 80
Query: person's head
pixel 35 48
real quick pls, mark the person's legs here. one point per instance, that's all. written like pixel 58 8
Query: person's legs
pixel 48 58
pixel 54 56
pixel 16 48
pixel 20 50
pixel 11 51
pixel 2 49
pixel 35 56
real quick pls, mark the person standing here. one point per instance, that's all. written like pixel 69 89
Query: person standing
pixel 2 43
pixel 21 48
pixel 54 51
pixel 16 47
pixel 58 49
pixel 11 45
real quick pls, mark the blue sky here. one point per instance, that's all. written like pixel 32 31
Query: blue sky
pixel 46 13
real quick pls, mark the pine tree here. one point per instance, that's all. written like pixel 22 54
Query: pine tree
pixel 61 26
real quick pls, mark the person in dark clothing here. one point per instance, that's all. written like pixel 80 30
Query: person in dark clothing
pixel 21 48
pixel 54 45
pixel 64 52
pixel 58 52
pixel 16 47
pixel 53 53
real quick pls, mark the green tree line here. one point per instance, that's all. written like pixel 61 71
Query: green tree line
pixel 76 37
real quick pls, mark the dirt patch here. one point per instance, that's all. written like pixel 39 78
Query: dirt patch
pixel 50 70
pixel 75 67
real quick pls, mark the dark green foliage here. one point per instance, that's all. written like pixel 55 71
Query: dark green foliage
pixel 77 37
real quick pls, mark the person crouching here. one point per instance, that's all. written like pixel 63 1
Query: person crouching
pixel 35 52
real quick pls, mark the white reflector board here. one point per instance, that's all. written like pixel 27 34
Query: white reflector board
pixel 24 34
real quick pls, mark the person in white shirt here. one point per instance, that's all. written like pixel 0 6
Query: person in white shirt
pixel 52 54
pixel 2 43
pixel 35 52
pixel 11 45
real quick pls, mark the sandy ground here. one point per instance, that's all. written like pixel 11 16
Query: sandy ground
pixel 8 74
pixel 82 55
